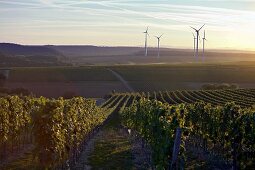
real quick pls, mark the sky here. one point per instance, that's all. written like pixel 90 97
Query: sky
pixel 230 24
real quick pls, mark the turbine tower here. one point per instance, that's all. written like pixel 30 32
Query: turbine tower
pixel 204 39
pixel 197 32
pixel 158 38
pixel 194 43
pixel 146 37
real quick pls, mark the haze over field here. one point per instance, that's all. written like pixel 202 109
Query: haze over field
pixel 20 55
pixel 105 33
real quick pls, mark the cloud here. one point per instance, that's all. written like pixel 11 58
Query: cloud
pixel 187 14
pixel 160 15
pixel 164 14
pixel 18 3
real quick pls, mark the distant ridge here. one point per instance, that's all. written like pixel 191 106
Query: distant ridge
pixel 29 55
pixel 56 55
pixel 16 50
pixel 62 51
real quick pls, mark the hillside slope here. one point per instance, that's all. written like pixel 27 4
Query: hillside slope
pixel 23 55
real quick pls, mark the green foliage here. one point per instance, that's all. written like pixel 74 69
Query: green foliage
pixel 61 125
pixel 229 126
pixel 156 123
pixel 14 116
pixel 58 125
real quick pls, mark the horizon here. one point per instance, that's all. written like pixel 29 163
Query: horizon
pixel 122 23
pixel 149 47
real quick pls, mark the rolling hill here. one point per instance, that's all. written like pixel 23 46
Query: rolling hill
pixel 79 55
pixel 26 55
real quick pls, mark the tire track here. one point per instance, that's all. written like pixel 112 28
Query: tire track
pixel 124 82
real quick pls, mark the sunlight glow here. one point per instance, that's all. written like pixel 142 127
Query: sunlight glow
pixel 229 23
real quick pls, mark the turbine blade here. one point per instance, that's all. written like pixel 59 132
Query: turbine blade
pixel 147 29
pixel 161 35
pixel 193 28
pixel 201 27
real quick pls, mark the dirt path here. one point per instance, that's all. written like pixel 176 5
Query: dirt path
pixel 114 148
pixel 83 161
pixel 110 148
pixel 124 82
pixel 22 159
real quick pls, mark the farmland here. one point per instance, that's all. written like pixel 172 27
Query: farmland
pixel 97 81
pixel 127 85
pixel 130 110
pixel 174 88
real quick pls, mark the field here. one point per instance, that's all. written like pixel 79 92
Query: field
pixel 97 81
pixel 132 127
pixel 127 85
pixel 54 82
pixel 105 142
pixel 242 97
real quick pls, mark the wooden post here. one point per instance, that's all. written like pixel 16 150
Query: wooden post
pixel 176 149
pixel 234 156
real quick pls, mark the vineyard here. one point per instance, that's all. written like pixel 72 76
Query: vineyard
pixel 241 97
pixel 55 128
pixel 221 123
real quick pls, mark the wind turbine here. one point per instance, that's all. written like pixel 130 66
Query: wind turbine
pixel 204 39
pixel 158 38
pixel 197 31
pixel 194 43
pixel 146 37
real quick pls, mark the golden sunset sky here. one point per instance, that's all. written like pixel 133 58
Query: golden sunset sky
pixel 230 24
